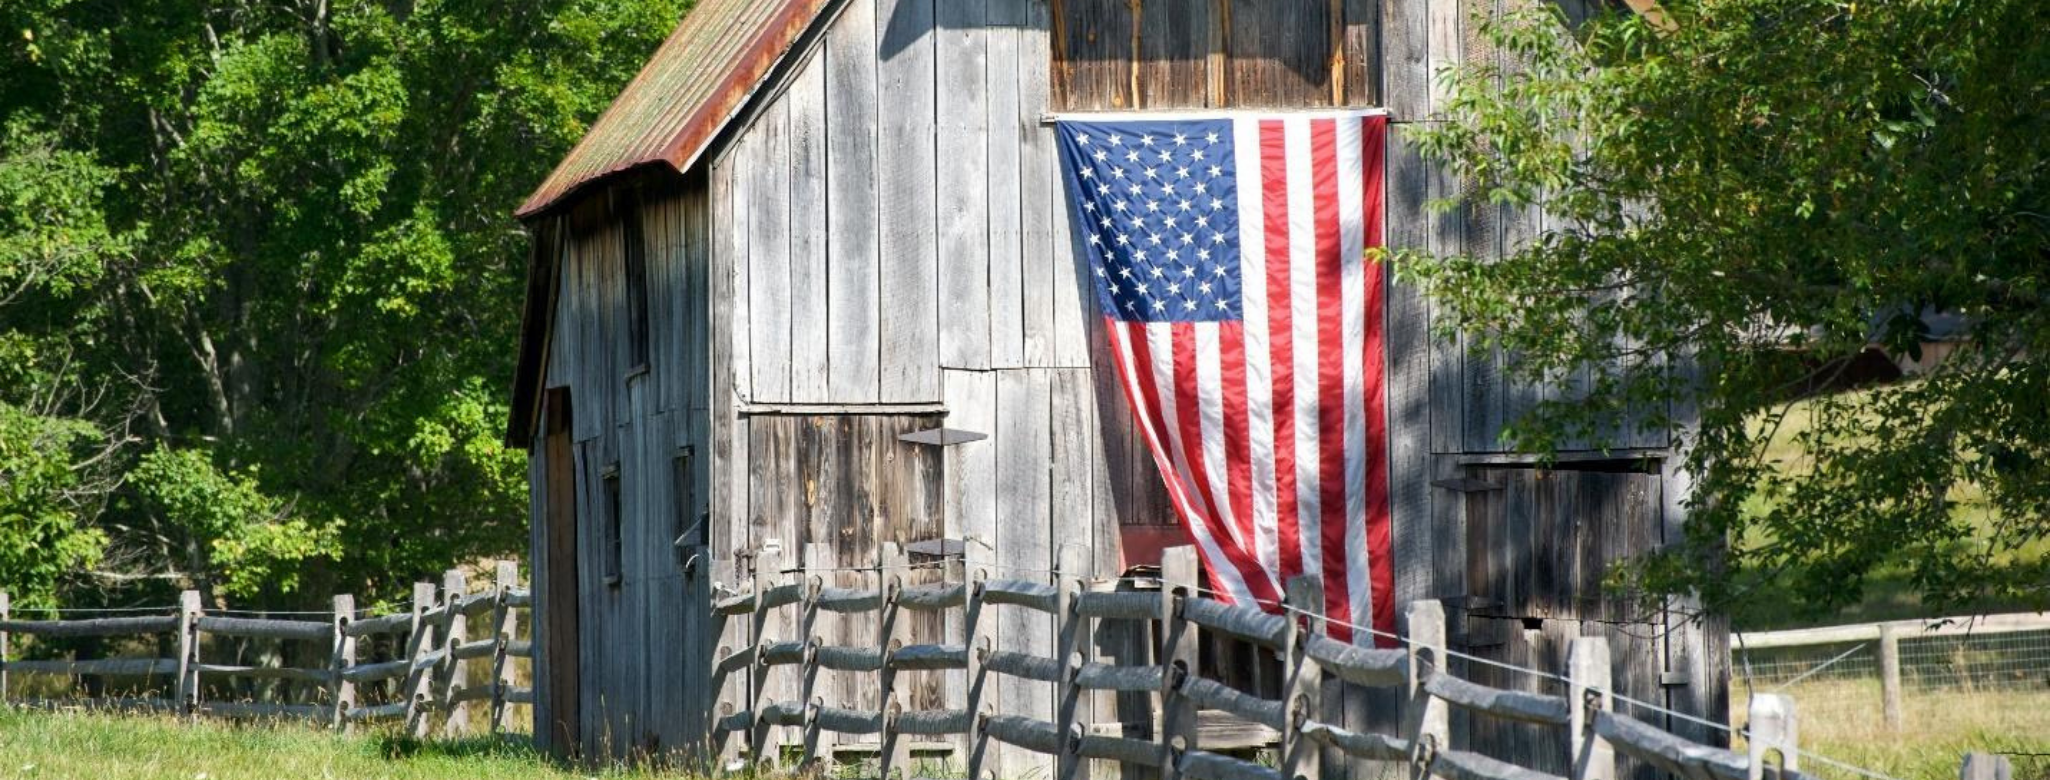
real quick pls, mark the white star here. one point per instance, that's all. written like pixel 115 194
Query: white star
pixel 1124 240
pixel 1165 157
pixel 1132 156
pixel 1117 173
pixel 1131 306
pixel 1089 206
pixel 1146 139
pixel 1202 187
pixel 1216 171
pixel 1118 140
pixel 1188 239
pixel 1152 173
pixel 1124 273
pixel 1198 154
pixel 1104 222
pixel 1202 220
pixel 1096 240
pixel 1174 254
pixel 1088 173
pixel 1157 273
pixel 1181 139
pixel 1102 189
pixel 1141 287
pixel 1189 305
pixel 1082 138
pixel 1204 254
pixel 1174 289
pixel 1188 271
pixel 1101 155
pixel 1179 173
pixel 1118 205
pixel 1114 288
pixel 1153 206
pixel 1155 238
pixel 1216 204
pixel 1212 138
pixel 1186 205
pixel 1220 270
pixel 1217 238
pixel 1159 305
pixel 1203 288
pixel 1135 189
pixel 1169 221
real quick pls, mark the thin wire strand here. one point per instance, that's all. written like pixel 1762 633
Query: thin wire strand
pixel 92 610
pixel 1824 665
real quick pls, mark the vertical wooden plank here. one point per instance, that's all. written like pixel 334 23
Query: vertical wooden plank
pixel 1363 60
pixel 810 367
pixel 1024 543
pixel 891 575
pixel 1037 183
pixel 1008 125
pixel 1280 53
pixel 341 693
pixel 1095 54
pixel 505 578
pixel 1071 710
pixel 1409 398
pixel 964 124
pixel 854 275
pixel 971 516
pixel 768 260
pixel 1303 685
pixel 1173 68
pixel 906 172
pixel 418 646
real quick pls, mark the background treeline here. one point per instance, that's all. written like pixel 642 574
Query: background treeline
pixel 259 285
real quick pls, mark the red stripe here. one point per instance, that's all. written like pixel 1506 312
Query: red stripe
pixel 1238 457
pixel 1237 557
pixel 1280 337
pixel 1380 558
pixel 1331 444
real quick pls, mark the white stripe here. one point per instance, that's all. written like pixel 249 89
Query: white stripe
pixel 1224 577
pixel 1352 242
pixel 1160 342
pixel 1252 202
pixel 1210 419
pixel 1302 278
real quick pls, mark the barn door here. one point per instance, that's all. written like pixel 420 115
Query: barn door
pixel 1538 545
pixel 829 490
pixel 560 615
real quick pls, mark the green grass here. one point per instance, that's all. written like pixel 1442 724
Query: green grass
pixel 1843 721
pixel 80 746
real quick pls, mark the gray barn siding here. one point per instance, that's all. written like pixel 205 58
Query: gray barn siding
pixel 885 235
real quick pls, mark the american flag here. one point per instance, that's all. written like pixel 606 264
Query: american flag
pixel 1245 319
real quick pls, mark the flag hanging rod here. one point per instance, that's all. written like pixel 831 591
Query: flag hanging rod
pixel 1173 114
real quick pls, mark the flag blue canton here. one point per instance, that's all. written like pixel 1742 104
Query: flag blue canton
pixel 1156 208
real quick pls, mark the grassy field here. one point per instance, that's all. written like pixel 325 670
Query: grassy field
pixel 69 746
pixel 1843 720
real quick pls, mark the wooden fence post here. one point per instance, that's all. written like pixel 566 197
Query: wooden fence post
pixel 5 615
pixel 1588 686
pixel 343 655
pixel 506 575
pixel 1425 718
pixel 818 557
pixel 1178 657
pixel 419 646
pixel 188 653
pixel 768 572
pixel 1773 728
pixel 1302 682
pixel 896 751
pixel 1890 675
pixel 456 721
pixel 726 746
pixel 1986 766
pixel 1070 578
pixel 978 636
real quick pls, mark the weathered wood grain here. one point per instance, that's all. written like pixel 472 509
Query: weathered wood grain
pixel 853 215
pixel 810 247
pixel 964 183
pixel 906 167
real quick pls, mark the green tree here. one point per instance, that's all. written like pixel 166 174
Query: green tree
pixel 1765 192
pixel 298 324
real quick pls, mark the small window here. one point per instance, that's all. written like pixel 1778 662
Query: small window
pixel 613 543
pixel 635 256
pixel 690 529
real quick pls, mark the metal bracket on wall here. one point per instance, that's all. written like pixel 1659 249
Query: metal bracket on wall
pixel 942 437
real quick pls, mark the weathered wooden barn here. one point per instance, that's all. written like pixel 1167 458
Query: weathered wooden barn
pixel 811 227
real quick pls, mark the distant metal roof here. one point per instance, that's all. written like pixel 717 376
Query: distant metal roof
pixel 688 91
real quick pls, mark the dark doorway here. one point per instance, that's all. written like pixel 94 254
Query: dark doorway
pixel 560 617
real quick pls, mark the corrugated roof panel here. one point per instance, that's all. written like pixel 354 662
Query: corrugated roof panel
pixel 692 86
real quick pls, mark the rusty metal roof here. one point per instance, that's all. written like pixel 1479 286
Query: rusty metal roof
pixel 695 83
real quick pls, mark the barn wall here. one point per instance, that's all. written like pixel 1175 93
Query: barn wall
pixel 642 657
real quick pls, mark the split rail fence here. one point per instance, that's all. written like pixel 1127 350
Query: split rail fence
pixel 432 641
pixel 747 720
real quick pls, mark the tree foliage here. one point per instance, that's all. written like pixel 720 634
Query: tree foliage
pixel 1744 205
pixel 257 261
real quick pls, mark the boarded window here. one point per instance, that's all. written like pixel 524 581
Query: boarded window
pixel 635 256
pixel 612 526
pixel 1122 54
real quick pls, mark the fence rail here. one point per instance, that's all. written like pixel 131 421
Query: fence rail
pixel 433 637
pixel 1419 671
